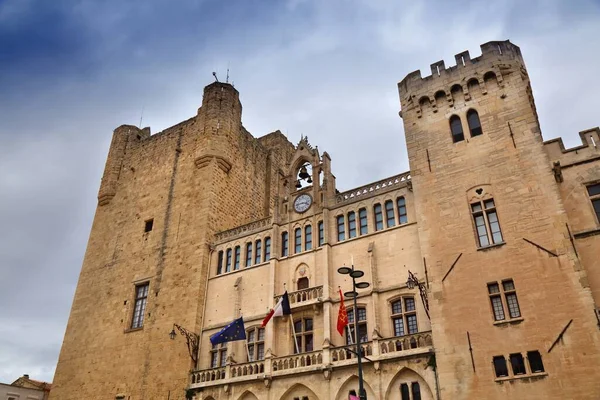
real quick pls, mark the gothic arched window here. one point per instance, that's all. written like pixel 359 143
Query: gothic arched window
pixel 456 129
pixel 474 123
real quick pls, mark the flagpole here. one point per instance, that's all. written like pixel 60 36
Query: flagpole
pixel 245 340
pixel 294 333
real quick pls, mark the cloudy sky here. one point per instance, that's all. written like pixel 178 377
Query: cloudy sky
pixel 73 70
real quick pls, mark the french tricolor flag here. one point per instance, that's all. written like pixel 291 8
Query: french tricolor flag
pixel 282 308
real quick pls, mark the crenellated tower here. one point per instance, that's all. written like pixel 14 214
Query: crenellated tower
pixel 506 282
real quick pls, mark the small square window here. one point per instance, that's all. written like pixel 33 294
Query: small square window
pixel 148 225
pixel 508 285
pixel 493 288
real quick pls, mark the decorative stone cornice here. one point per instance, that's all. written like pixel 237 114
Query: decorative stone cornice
pixel 222 162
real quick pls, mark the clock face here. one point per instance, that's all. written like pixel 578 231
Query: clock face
pixel 302 203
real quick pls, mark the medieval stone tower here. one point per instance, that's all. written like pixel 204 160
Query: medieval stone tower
pixel 161 199
pixel 479 267
pixel 478 163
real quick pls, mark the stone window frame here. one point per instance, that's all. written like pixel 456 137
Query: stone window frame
pixel 298 240
pixel 308 237
pixel 248 257
pixel 593 198
pixel 302 334
pixel 456 136
pixel 499 301
pixel 228 259
pixel 404 313
pixel 360 221
pixel 485 212
pixel 268 244
pixel 470 112
pixel 137 322
pixel 254 333
pixel 285 244
pixel 361 323
pixel 351 222
pixel 341 233
pixel 237 257
pixel 529 359
pixel 258 251
pixel 218 355
pixel 321 233
pixel 408 392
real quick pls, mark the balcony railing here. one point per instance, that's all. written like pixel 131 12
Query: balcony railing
pixel 303 295
pixel 377 349
pixel 298 361
pixel 403 343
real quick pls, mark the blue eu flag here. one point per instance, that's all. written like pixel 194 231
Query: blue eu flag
pixel 232 332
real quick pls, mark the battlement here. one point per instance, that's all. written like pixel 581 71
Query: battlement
pixel 588 151
pixel 491 53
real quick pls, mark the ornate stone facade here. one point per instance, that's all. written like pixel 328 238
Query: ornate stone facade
pixel 200 224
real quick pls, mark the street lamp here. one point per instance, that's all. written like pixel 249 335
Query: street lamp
pixel 413 282
pixel 355 274
pixel 192 341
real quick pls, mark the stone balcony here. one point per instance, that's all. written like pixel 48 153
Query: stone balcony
pixel 304 297
pixel 272 367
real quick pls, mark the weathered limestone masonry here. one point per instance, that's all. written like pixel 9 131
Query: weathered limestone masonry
pixel 507 163
pixel 201 176
pixel 498 227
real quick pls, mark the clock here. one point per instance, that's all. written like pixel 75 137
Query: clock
pixel 302 203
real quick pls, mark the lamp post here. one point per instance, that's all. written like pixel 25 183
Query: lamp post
pixel 411 282
pixel 355 274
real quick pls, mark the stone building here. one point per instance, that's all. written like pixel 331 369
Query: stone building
pixel 25 388
pixel 203 223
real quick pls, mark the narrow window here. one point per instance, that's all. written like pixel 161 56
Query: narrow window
pixel 517 363
pixel 228 260
pixel 321 233
pixel 362 215
pixel 401 203
pixel 304 335
pixel 351 224
pixel 411 315
pixel 496 300
pixel 267 249
pixel 416 391
pixel 510 294
pixel 362 326
pixel 456 129
pixel 474 124
pixel 307 237
pixel 141 297
pixel 378 217
pixel 236 258
pixel 390 219
pixel 148 225
pixel 284 244
pixel 486 222
pixel 257 251
pixel 535 361
pixel 341 229
pixel 594 193
pixel 248 254
pixel 500 367
pixel 220 263
pixel 256 344
pixel 404 391
pixel 218 355
pixel 297 240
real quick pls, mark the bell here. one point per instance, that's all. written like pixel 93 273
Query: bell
pixel 303 173
pixel 309 180
pixel 298 184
